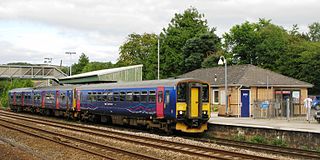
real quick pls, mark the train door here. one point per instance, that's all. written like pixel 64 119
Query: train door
pixel 78 100
pixel 14 99
pixel 43 95
pixel 160 102
pixel 194 102
pixel 57 100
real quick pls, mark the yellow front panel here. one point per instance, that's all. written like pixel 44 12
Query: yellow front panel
pixel 206 107
pixel 181 106
pixel 194 102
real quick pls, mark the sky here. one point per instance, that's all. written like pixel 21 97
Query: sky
pixel 31 30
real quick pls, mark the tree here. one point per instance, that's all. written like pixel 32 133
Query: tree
pixel 82 62
pixel 273 43
pixel 314 32
pixel 173 38
pixel 140 49
pixel 6 85
pixel 242 40
pixel 301 61
pixel 93 66
pixel 199 48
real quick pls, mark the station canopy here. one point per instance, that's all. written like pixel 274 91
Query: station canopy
pixel 126 74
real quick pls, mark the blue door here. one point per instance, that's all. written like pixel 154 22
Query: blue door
pixel 245 100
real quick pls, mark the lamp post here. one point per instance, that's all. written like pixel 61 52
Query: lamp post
pixel 70 53
pixel 158 57
pixel 222 61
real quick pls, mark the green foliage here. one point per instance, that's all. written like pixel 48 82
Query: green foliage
pixel 199 48
pixel 240 137
pixel 6 85
pixel 259 139
pixel 82 62
pixel 279 142
pixel 140 49
pixel 93 66
pixel 314 32
pixel 260 43
pixel 182 27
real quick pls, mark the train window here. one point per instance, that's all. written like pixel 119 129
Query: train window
pixel 110 97
pixel 143 96
pixel 115 96
pixel 205 93
pixel 99 93
pixel 11 97
pixel 99 98
pixel 160 97
pixel 92 98
pixel 122 96
pixel 93 92
pixel 129 96
pixel 181 92
pixel 105 96
pixel 136 96
pixel 152 96
pixel 167 97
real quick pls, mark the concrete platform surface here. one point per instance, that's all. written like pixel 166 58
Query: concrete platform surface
pixel 278 124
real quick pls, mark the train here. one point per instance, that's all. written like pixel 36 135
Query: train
pixel 171 104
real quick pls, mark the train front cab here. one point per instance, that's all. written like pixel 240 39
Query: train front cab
pixel 193 106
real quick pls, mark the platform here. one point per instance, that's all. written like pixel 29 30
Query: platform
pixel 296 133
pixel 279 124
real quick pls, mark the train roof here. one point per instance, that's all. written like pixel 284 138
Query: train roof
pixel 21 90
pixel 48 88
pixel 138 84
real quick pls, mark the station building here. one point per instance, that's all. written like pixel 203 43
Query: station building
pixel 250 86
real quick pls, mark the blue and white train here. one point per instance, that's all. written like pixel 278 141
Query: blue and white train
pixel 173 104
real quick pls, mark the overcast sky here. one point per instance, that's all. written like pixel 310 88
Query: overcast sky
pixel 31 30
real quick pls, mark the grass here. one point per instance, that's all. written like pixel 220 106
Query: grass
pixel 259 139
pixel 239 137
pixel 279 142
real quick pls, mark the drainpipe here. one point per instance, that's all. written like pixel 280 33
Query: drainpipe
pixel 239 100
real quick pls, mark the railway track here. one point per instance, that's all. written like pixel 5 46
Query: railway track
pixel 103 151
pixel 292 152
pixel 189 149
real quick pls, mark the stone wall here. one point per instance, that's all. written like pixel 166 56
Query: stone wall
pixel 295 139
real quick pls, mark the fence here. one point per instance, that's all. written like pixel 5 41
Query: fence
pixel 278 110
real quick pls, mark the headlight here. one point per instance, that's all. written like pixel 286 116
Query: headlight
pixel 204 112
pixel 180 112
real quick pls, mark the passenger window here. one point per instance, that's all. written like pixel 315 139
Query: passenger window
pixel 116 96
pixel 205 93
pixel 110 97
pixel 122 96
pixel 152 96
pixel 144 96
pixel 136 96
pixel 129 96
pixel 160 97
pixel 181 92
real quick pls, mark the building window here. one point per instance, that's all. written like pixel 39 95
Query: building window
pixel 215 96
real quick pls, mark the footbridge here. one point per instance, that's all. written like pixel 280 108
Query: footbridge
pixel 30 72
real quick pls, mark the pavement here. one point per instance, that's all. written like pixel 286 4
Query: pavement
pixel 279 124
